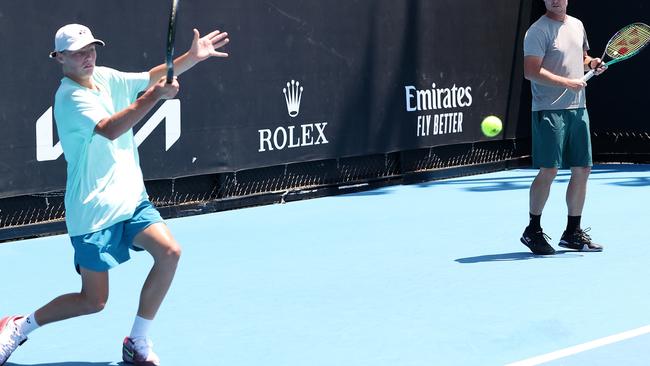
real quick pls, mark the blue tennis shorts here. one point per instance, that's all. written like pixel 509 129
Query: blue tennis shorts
pixel 104 249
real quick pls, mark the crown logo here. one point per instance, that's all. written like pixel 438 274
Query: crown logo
pixel 292 95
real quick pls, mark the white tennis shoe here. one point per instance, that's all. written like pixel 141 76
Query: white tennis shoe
pixel 10 337
pixel 139 352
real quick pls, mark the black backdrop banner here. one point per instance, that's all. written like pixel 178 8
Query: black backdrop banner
pixel 305 80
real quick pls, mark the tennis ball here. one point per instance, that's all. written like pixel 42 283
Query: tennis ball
pixel 491 126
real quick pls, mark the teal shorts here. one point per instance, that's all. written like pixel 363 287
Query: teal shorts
pixel 561 139
pixel 104 249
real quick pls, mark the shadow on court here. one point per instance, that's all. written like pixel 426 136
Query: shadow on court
pixel 494 184
pixel 634 182
pixel 517 256
pixel 377 192
pixel 502 186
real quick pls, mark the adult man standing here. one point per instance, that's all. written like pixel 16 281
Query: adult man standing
pixel 555 59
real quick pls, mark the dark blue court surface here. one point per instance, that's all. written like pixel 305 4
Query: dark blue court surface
pixel 429 274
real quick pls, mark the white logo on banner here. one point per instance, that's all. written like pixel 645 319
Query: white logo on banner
pixel 170 112
pixel 291 137
pixel 437 99
pixel 292 95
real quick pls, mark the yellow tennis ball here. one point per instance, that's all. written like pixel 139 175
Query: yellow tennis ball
pixel 491 126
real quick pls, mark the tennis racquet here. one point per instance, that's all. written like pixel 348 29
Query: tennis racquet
pixel 626 43
pixel 171 34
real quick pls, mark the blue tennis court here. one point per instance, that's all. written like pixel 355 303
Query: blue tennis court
pixel 424 274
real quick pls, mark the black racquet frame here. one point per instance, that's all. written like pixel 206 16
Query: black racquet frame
pixel 171 35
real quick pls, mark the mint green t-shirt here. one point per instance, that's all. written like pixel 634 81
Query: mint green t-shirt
pixel 104 181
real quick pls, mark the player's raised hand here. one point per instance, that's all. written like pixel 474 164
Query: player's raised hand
pixel 207 46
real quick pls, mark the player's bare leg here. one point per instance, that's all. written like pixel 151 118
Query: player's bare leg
pixel 159 242
pixel 577 190
pixel 574 237
pixel 91 299
pixel 540 189
pixel 533 236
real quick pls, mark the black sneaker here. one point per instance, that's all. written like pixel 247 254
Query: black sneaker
pixel 537 242
pixel 579 240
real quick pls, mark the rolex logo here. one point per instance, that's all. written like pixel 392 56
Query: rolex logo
pixel 292 136
pixel 292 95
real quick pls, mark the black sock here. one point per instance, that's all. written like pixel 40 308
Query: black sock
pixel 535 222
pixel 573 224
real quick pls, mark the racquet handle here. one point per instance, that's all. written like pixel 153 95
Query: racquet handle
pixel 170 74
pixel 589 75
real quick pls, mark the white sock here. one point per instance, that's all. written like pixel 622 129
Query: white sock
pixel 27 324
pixel 140 327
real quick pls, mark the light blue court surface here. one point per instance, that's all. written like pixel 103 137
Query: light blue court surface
pixel 428 274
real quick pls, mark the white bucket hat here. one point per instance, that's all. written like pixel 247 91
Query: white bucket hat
pixel 73 37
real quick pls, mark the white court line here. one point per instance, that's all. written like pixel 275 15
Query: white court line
pixel 538 360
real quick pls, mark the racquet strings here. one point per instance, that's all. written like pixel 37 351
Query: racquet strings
pixel 629 41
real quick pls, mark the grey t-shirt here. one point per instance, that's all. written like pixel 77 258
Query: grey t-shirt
pixel 561 45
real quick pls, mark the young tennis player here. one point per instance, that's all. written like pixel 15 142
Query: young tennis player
pixel 555 59
pixel 108 211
